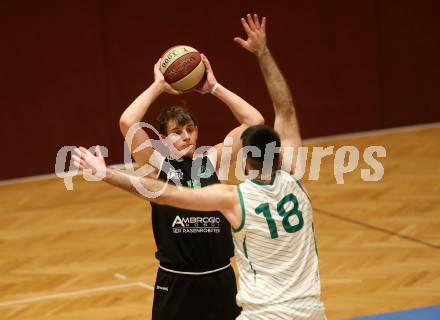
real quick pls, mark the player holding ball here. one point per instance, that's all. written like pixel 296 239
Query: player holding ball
pixel 195 279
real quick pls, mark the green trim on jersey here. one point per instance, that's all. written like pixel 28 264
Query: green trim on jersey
pixel 247 257
pixel 263 183
pixel 314 239
pixel 245 248
pixel 313 227
pixel 300 185
pixel 243 211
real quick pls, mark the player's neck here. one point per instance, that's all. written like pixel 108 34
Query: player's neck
pixel 180 157
pixel 265 178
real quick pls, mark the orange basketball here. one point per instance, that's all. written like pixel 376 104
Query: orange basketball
pixel 182 67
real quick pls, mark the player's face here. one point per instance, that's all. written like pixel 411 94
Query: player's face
pixel 187 136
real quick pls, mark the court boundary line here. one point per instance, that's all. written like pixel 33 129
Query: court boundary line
pixel 379 229
pixel 375 132
pixel 47 176
pixel 76 293
pixel 306 141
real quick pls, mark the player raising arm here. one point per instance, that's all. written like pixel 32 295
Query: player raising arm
pixel 286 122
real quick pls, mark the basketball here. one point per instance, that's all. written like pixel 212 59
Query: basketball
pixel 182 67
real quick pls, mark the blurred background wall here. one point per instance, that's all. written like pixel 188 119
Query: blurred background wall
pixel 69 68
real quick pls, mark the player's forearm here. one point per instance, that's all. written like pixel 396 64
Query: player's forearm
pixel 163 193
pixel 136 111
pixel 120 180
pixel 242 110
pixel 276 84
pixel 155 188
pixel 156 191
pixel 167 194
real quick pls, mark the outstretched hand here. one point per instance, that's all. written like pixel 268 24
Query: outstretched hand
pixel 93 166
pixel 256 33
pixel 210 80
pixel 159 78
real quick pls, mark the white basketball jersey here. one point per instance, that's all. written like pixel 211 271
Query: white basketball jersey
pixel 275 245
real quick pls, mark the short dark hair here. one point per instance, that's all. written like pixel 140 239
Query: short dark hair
pixel 260 136
pixel 180 114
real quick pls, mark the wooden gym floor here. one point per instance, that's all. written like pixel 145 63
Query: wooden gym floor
pixel 89 253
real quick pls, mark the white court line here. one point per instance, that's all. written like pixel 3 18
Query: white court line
pixel 373 132
pixel 29 179
pixel 47 176
pixel 146 286
pixel 120 276
pixel 75 293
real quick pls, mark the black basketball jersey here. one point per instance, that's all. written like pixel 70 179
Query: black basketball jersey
pixel 189 240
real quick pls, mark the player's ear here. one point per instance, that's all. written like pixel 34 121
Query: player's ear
pixel 196 130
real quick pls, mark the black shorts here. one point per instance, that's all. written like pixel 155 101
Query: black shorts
pixel 195 297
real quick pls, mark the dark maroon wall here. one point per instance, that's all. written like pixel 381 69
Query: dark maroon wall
pixel 70 68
